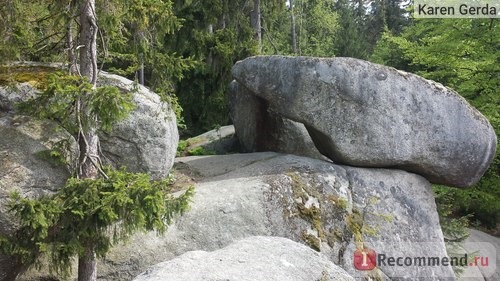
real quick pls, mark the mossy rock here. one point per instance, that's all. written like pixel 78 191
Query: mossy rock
pixel 35 75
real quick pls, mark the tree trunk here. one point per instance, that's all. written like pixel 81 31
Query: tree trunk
pixel 88 37
pixel 88 140
pixel 256 25
pixel 87 265
pixel 141 74
pixel 292 27
pixel 73 68
pixel 71 51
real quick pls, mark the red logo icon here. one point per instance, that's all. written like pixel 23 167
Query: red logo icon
pixel 365 259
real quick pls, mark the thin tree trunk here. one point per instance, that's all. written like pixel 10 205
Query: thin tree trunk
pixel 87 265
pixel 256 25
pixel 292 27
pixel 88 139
pixel 71 51
pixel 210 56
pixel 141 74
pixel 88 37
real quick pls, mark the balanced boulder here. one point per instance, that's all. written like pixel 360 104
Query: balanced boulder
pixel 368 115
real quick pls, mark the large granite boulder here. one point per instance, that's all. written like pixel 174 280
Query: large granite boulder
pixel 253 258
pixel 368 115
pixel 330 208
pixel 27 167
pixel 145 141
pixel 260 129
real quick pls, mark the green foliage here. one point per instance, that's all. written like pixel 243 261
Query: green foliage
pixel 27 31
pixel 181 147
pixel 350 41
pixel 454 228
pixel 216 34
pixel 63 95
pixel 317 27
pixel 84 212
pixel 135 33
pixel 198 151
pixel 110 105
pixel 388 52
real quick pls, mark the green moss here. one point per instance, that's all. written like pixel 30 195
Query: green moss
pixel 386 217
pixel 358 228
pixel 340 202
pixel 311 214
pixel 336 235
pixel 36 76
pixel 183 148
pixel 312 241
pixel 355 225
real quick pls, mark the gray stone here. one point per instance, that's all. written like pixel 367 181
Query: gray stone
pixel 25 169
pixel 259 128
pixel 482 245
pixel 146 140
pixel 10 95
pixel 368 115
pixel 217 141
pixel 253 258
pixel 327 207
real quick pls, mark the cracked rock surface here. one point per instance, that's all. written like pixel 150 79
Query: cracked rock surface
pixel 329 208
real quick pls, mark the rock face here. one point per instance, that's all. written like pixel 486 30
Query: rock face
pixel 482 245
pixel 260 129
pixel 14 94
pixel 330 208
pixel 253 258
pixel 369 115
pixel 24 167
pixel 146 140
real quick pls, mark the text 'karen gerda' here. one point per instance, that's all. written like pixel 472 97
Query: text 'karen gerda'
pixel 462 9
